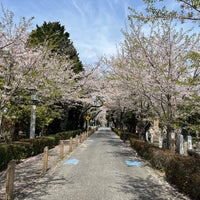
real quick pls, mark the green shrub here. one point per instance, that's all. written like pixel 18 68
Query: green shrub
pixel 124 135
pixel 117 131
pixel 195 185
pixel 181 171
pixel 16 151
pixel 67 134
pixel 30 147
pixel 142 147
pixel 40 143
pixel 161 158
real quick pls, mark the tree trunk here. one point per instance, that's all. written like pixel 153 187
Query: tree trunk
pixel 169 139
pixel 1 116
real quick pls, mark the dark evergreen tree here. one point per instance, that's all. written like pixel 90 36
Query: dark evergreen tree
pixel 54 36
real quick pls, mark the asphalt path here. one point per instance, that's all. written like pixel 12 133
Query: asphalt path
pixel 103 168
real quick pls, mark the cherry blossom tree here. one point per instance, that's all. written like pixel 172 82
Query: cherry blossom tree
pixel 90 91
pixel 23 68
pixel 185 10
pixel 12 39
pixel 153 66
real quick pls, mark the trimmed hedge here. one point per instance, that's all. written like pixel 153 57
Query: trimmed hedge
pixel 29 147
pixel 124 135
pixel 181 171
pixel 184 172
pixel 15 151
pixel 159 158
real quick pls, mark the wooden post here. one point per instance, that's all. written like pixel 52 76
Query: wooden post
pixel 10 180
pixel 80 137
pixel 45 160
pixel 76 140
pixel 70 144
pixel 85 136
pixel 61 149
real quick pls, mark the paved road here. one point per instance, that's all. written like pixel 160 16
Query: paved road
pixel 97 170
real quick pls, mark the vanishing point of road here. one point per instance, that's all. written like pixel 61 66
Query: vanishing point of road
pixel 103 168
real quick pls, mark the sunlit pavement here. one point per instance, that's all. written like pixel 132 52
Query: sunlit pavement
pixel 102 168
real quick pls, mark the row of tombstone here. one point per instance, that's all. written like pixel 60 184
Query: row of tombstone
pixel 182 144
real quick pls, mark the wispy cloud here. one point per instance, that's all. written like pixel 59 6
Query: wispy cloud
pixel 94 26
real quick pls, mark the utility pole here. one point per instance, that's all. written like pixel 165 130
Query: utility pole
pixel 33 115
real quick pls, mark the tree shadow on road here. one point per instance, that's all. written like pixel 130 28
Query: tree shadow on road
pixel 38 188
pixel 146 189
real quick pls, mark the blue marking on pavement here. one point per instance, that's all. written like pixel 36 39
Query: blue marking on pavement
pixel 133 163
pixel 71 162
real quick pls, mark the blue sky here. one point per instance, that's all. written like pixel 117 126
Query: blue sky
pixel 94 25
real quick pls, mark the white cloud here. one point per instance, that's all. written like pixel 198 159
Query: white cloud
pixel 94 25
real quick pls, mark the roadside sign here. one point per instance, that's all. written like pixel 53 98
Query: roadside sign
pixel 87 118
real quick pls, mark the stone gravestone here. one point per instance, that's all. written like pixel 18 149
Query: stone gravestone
pixel 156 126
pixel 151 132
pixel 180 145
pixel 160 142
pixel 164 143
pixel 197 150
pixel 197 134
pixel 197 146
pixel 189 142
pixel 147 136
pixel 151 139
